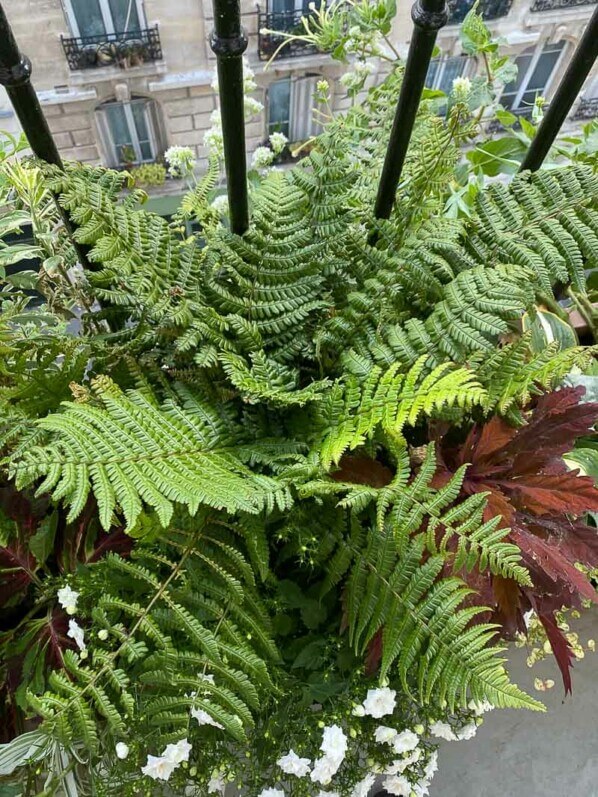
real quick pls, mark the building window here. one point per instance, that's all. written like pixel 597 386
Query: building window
pixel 442 72
pixel 129 131
pixel 291 108
pixel 89 18
pixel 536 69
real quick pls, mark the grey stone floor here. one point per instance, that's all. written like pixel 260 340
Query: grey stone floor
pixel 524 754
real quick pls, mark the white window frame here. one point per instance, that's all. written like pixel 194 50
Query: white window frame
pixel 106 132
pixel 106 17
pixel 539 50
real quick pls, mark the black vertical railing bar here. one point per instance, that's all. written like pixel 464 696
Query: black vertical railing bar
pixel 428 17
pixel 15 76
pixel 229 42
pixel 579 67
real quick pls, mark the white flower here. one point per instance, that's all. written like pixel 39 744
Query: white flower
pixel 271 793
pixel 216 784
pixel 364 68
pixel 177 753
pixel 291 764
pixel 214 141
pixel 220 204
pixel 358 711
pixel 203 718
pixel 385 735
pixel 442 730
pixel 278 142
pixel 461 89
pixel 432 766
pixel 334 743
pixel 203 677
pixel 122 750
pixel 252 107
pixel 181 161
pixel 397 784
pixel 420 789
pixel 362 789
pixel 262 157
pixel 158 768
pixel 76 632
pixel 467 731
pixel 480 707
pixel 404 742
pixel 380 702
pixel 324 770
pixel 103 634
pixel 67 597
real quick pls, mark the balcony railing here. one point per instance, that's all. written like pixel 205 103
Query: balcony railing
pixel 557 5
pixel 490 9
pixel 285 22
pixel 125 50
pixel 587 109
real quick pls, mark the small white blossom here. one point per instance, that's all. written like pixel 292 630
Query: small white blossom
pixel 67 597
pixel 431 767
pixel 334 743
pixel 122 750
pixel 461 89
pixel 324 770
pixel 177 753
pixel 203 718
pixel 291 764
pixel 158 768
pixel 398 785
pixel 380 702
pixel 442 730
pixel 278 142
pixel 214 141
pixel 421 789
pixel 385 735
pixel 362 789
pixel 401 764
pixel 404 742
pixel 271 793
pixel 76 632
pixel 358 711
pixel 181 161
pixel 467 731
pixel 262 158
pixel 103 634
pixel 252 107
pixel 364 68
pixel 216 785
pixel 220 204
pixel 480 707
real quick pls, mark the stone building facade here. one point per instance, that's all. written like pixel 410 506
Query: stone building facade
pixel 117 98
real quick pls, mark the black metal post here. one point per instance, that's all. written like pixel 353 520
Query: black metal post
pixel 428 17
pixel 229 42
pixel 15 76
pixel 579 68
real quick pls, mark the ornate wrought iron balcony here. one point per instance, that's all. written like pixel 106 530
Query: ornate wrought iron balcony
pixel 490 9
pixel 286 22
pixel 587 109
pixel 557 5
pixel 113 49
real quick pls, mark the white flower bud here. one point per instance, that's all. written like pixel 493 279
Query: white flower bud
pixel 122 750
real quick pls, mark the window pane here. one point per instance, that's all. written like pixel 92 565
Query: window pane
pixel 543 71
pixel 279 100
pixel 453 68
pixel 432 73
pixel 89 17
pixel 123 12
pixel 138 109
pixel 522 62
pixel 121 135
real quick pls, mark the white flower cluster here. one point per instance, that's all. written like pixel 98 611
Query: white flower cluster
pixel 262 158
pixel 181 161
pixel 161 767
pixel 220 204
pixel 461 89
pixel 67 598
pixel 368 41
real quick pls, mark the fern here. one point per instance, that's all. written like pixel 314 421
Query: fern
pixel 128 452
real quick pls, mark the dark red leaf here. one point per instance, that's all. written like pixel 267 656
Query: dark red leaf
pixel 560 647
pixel 360 469
pixel 543 494
pixel 17 570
